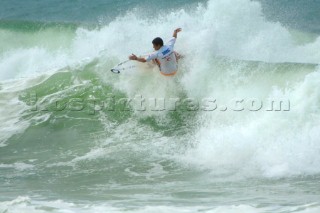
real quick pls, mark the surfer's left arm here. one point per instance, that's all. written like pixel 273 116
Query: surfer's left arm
pixel 136 58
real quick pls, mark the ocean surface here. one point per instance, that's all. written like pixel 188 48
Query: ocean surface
pixel 237 130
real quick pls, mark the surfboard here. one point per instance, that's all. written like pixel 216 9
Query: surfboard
pixel 125 65
pixel 130 64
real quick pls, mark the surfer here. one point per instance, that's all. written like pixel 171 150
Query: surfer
pixel 164 56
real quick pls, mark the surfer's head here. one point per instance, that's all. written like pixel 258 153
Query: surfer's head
pixel 157 43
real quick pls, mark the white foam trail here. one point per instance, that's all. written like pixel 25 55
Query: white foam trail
pixel 18 166
pixel 26 204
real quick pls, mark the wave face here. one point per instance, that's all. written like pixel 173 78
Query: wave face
pixel 241 116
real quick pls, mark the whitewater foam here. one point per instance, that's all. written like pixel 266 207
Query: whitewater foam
pixel 26 204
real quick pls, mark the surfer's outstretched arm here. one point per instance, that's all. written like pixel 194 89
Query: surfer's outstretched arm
pixel 136 58
pixel 176 31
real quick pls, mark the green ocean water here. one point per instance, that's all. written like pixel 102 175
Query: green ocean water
pixel 75 137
